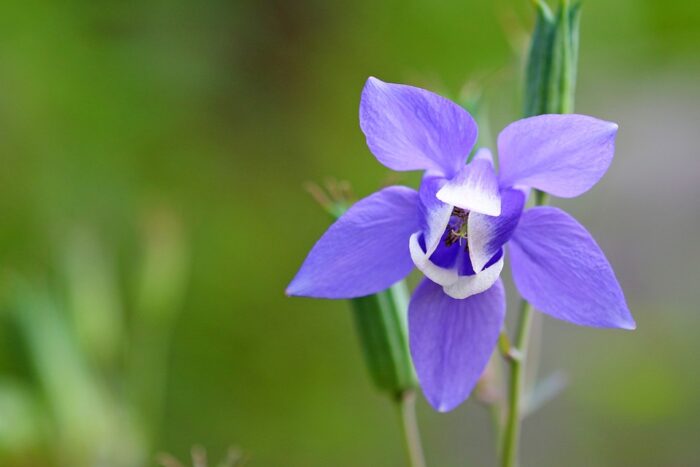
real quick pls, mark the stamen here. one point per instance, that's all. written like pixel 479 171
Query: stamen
pixel 460 232
pixel 452 238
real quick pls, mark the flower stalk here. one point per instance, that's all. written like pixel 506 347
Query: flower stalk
pixel 550 81
pixel 515 389
pixel 409 422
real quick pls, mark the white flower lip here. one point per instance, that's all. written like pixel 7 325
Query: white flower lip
pixel 453 284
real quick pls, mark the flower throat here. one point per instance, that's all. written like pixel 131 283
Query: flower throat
pixel 457 229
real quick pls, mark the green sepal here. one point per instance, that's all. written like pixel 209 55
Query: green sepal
pixel 380 321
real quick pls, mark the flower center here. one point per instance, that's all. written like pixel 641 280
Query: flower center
pixel 457 228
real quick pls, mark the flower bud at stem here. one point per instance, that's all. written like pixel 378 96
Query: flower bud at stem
pixel 550 74
pixel 380 319
pixel 381 324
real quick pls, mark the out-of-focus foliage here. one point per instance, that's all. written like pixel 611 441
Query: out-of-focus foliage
pixel 221 111
pixel 93 351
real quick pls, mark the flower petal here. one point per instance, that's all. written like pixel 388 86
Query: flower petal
pixel 363 252
pixel 467 286
pixel 435 215
pixel 487 234
pixel 421 259
pixel 564 155
pixel 409 128
pixel 457 282
pixel 452 340
pixel 559 268
pixel 475 188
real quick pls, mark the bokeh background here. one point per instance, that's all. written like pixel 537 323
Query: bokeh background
pixel 152 212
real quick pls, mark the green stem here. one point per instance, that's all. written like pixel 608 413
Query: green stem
pixel 406 402
pixel 511 435
pixel 550 86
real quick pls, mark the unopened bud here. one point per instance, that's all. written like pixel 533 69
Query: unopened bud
pixel 550 75
pixel 380 319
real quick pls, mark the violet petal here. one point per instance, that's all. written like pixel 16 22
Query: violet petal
pixel 452 340
pixel 487 234
pixel 559 268
pixel 564 155
pixel 363 252
pixel 409 128
pixel 474 188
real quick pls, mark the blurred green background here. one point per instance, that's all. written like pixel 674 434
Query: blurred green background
pixel 152 213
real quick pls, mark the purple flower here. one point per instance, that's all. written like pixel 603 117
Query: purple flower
pixel 454 229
